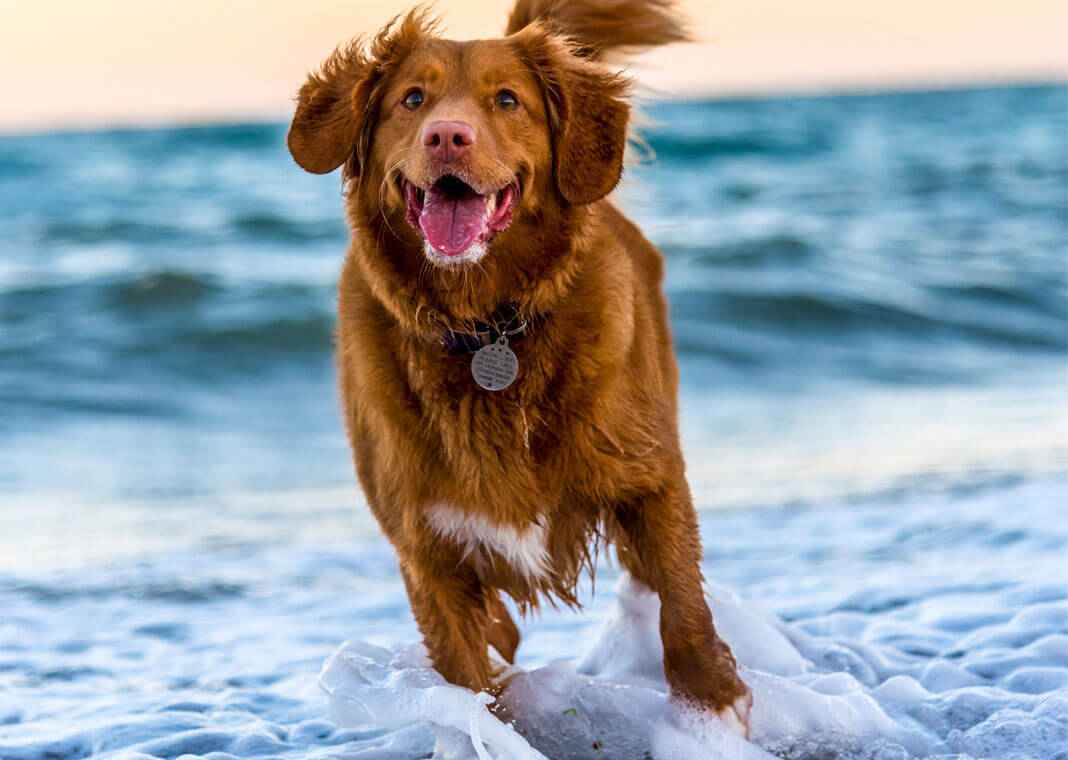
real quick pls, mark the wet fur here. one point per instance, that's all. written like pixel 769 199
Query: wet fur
pixel 584 444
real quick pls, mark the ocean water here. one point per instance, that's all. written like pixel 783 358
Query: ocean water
pixel 870 305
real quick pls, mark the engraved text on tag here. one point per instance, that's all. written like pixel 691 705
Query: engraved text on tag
pixel 495 366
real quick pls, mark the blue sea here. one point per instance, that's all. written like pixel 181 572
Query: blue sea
pixel 869 299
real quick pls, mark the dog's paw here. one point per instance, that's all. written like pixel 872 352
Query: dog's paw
pixel 736 715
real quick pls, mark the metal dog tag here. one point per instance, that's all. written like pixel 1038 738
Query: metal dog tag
pixel 495 366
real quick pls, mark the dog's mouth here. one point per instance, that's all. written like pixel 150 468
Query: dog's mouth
pixel 453 216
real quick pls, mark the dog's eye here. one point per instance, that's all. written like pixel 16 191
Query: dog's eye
pixel 413 99
pixel 506 101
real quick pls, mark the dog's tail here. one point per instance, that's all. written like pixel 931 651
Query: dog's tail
pixel 605 27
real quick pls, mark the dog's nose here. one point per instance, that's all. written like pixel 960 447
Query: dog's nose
pixel 448 139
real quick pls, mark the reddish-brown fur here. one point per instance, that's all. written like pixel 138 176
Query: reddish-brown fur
pixel 585 442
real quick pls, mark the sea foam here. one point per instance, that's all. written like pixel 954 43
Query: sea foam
pixel 918 625
pixel 614 703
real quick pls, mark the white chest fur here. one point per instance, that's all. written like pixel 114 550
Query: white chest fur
pixel 523 549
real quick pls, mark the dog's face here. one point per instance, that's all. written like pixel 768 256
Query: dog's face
pixel 463 132
pixel 456 146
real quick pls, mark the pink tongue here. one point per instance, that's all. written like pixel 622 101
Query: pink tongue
pixel 452 225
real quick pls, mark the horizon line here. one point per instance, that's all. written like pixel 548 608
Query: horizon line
pixel 644 94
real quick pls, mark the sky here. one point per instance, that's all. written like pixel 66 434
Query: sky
pixel 72 63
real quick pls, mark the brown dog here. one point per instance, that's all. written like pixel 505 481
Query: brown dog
pixel 476 175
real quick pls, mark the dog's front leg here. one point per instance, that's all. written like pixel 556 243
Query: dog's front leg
pixel 661 547
pixel 450 606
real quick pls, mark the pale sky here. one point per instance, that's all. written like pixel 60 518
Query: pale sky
pixel 103 62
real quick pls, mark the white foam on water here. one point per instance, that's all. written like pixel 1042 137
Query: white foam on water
pixel 369 685
pixel 929 626
pixel 614 703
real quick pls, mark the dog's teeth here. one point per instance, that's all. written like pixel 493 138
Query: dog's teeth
pixel 491 204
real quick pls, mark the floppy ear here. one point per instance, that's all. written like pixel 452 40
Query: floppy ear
pixel 335 107
pixel 590 133
pixel 330 112
pixel 587 114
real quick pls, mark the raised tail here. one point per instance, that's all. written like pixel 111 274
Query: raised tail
pixel 605 27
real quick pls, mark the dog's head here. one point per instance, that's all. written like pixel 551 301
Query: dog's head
pixel 456 148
